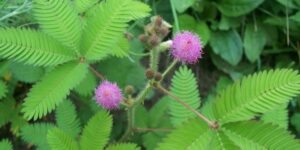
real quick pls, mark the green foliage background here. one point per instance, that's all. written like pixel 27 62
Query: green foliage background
pixel 240 37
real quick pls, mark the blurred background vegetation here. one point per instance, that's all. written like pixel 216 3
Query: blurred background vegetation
pixel 240 37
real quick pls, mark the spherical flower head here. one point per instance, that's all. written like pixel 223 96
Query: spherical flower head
pixel 108 95
pixel 186 47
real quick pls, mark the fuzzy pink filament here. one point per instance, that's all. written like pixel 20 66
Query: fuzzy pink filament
pixel 108 95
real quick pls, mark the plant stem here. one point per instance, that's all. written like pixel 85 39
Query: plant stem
pixel 170 68
pixel 154 57
pixel 151 129
pixel 130 123
pixel 98 74
pixel 175 16
pixel 209 122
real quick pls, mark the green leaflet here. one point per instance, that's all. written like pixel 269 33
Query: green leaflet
pixel 58 140
pixel 236 8
pixel 26 73
pixel 278 116
pixel 220 141
pixel 87 86
pixel 123 146
pixel 228 45
pixel 194 134
pixel 32 47
pixel 103 30
pixel 258 135
pixel 54 87
pixel 255 94
pixel 84 5
pixel 36 134
pixel 254 41
pixel 66 118
pixel 96 133
pixel 5 145
pixel 59 19
pixel 184 85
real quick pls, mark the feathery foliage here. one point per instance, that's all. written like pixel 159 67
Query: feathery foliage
pixel 5 145
pixel 54 87
pixel 58 18
pixel 104 30
pixel 255 94
pixel 258 135
pixel 36 134
pixel 184 85
pixel 66 118
pixel 123 146
pixel 96 133
pixel 87 86
pixel 84 5
pixel 272 91
pixel 59 140
pixel 194 134
pixel 32 47
pixel 26 73
pixel 278 116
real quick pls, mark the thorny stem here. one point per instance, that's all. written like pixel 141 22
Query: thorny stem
pixel 212 124
pixel 98 74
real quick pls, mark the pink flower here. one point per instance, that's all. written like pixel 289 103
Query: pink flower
pixel 186 47
pixel 108 95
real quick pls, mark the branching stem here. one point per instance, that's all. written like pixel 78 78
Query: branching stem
pixel 209 122
pixel 98 74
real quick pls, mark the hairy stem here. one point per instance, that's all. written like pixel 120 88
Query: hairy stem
pixel 169 68
pixel 154 58
pixel 130 123
pixel 98 74
pixel 209 122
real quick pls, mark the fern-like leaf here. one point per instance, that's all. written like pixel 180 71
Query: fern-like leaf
pixel 59 140
pixel 258 135
pixel 121 48
pixel 256 94
pixel 278 116
pixel 5 145
pixel 96 133
pixel 3 89
pixel 184 86
pixel 103 30
pixel 123 146
pixel 32 47
pixel 36 134
pixel 66 118
pixel 84 5
pixel 220 141
pixel 194 135
pixel 54 87
pixel 59 19
pixel 87 86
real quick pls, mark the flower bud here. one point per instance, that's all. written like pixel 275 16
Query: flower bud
pixel 143 38
pixel 129 89
pixel 150 73
pixel 153 40
pixel 157 76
